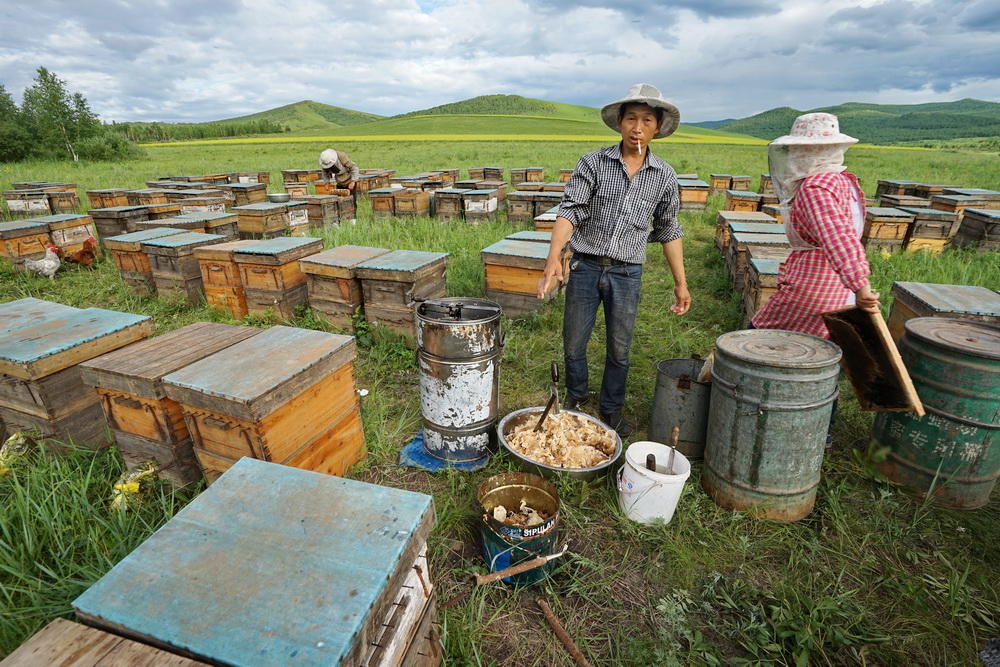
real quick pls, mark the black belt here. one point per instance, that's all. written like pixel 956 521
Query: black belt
pixel 601 259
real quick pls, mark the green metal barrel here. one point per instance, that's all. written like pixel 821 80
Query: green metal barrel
pixel 772 393
pixel 953 451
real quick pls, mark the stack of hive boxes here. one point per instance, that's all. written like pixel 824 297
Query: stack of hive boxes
pixel 220 276
pixel 512 268
pixel 41 347
pixel 392 282
pixel 448 203
pixel 285 395
pixel 335 292
pixel 486 173
pixel 480 205
pixel 132 261
pixel 693 193
pixel 174 266
pixel 30 198
pixel 270 273
pixel 324 210
pixel 23 239
pixel 117 220
pixel 146 424
pixel 724 218
pixel 263 220
pixel 766 235
pixel 411 202
pixel 719 183
pixel 886 228
pixel 522 174
pixel 69 231
pixel 931 228
pixel 241 194
pixel 980 229
pixel 741 200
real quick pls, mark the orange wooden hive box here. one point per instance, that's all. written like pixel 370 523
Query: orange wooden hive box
pixel 512 270
pixel 285 395
pixel 391 283
pixel 69 231
pixel 108 197
pixel 220 276
pixel 147 425
pixel 23 239
pixel 132 262
pixel 334 290
pixel 270 273
pixel 175 269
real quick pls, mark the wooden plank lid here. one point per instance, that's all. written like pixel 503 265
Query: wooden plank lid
pixel 18 228
pixel 22 312
pixel 133 240
pixel 400 265
pixel 339 262
pixel 938 298
pixel 280 250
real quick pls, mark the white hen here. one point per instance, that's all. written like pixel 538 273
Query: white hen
pixel 47 266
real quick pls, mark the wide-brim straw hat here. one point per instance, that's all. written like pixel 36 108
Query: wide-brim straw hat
pixel 644 93
pixel 815 129
pixel 328 158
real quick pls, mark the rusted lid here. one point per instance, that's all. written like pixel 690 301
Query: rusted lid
pixel 458 309
pixel 784 349
pixel 974 338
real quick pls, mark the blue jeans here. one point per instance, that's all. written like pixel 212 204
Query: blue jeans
pixel 617 288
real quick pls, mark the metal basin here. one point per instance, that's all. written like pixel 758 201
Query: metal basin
pixel 278 197
pixel 519 417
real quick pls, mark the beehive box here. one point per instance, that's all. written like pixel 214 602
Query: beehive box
pixel 245 193
pixel 147 196
pixel 694 194
pixel 264 218
pixel 63 202
pixel 383 202
pixel 335 292
pixel 298 218
pixel 270 273
pixel 202 205
pixel 482 173
pixel 23 239
pixel 513 269
pixel 146 424
pixel 214 222
pixel 132 262
pixel 391 283
pixel 301 175
pixel 724 218
pixel 892 187
pixel 468 184
pixel 480 205
pixel 68 231
pixel 545 222
pixel 108 197
pixel 27 202
pixel 180 222
pixel 220 276
pixel 283 395
pixel 956 203
pixel 892 224
pixel 719 182
pixel 158 212
pixel 967 302
pixel 518 175
pixel 544 201
pixel 39 372
pixel 736 252
pixel 178 196
pixel 761 284
pixel 929 223
pixel 992 197
pixel 116 220
pixel 411 202
pixel 448 203
pixel 525 186
pixel 774 211
pixel 980 229
pixel 765 185
pixel 251 177
pixel 322 187
pixel 740 227
pixel 741 200
pixel 903 201
pixel 347 208
pixel 297 188
pixel 739 183
pixel 565 174
pixel 322 210
pixel 365 586
pixel 173 264
pixel 926 190
pixel 70 644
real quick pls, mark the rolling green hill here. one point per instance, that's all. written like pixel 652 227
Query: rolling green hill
pixel 885 123
pixel 309 115
pixel 513 105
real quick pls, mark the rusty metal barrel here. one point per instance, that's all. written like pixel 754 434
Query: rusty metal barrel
pixel 772 394
pixel 953 452
pixel 459 344
pixel 680 400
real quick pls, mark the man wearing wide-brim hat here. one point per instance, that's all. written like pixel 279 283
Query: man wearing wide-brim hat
pixel 619 199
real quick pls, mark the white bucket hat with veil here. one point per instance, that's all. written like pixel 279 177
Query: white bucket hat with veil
pixel 815 145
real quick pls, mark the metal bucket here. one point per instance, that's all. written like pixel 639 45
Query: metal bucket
pixel 952 452
pixel 772 393
pixel 680 400
pixel 459 402
pixel 505 546
pixel 459 328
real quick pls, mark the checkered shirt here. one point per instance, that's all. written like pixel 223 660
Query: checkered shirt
pixel 615 216
pixel 815 281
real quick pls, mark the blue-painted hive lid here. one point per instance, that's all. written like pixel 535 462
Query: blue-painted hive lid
pixel 766 266
pixel 742 194
pixel 692 183
pixel 17 228
pixel 400 261
pixel 992 214
pixel 757 227
pixel 940 298
pixel 61 217
pixel 516 248
pixel 279 250
pixel 184 239
pixel 265 206
pixel 139 208
pixel 269 565
pixel 28 311
pixel 884 212
pixel 759 239
pixel 142 235
pixel 531 235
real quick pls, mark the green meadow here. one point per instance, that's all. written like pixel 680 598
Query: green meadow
pixel 872 576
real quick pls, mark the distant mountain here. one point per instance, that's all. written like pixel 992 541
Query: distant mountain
pixel 510 105
pixel 309 115
pixel 885 123
pixel 711 124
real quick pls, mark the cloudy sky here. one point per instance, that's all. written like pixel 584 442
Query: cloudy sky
pixel 194 60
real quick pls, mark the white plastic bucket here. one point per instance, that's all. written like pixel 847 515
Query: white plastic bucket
pixel 647 496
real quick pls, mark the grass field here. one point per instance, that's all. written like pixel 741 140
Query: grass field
pixel 872 576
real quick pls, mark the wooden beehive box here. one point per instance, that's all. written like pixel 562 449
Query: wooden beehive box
pixel 146 423
pixel 223 223
pixel 929 223
pixel 967 302
pixel 545 222
pixel 518 175
pixel 251 177
pixel 301 175
pixel 480 205
pixel 739 183
pixel 298 217
pixel 265 219
pixel 322 210
pixel 27 202
pixel 108 197
pixel 992 197
pixel 42 389
pixel 520 206
pixel 736 252
pixel 719 182
pixel 68 231
pixel 357 578
pixel 167 184
pixel 391 283
pixel 926 190
pixel 202 205
pixel 147 196
pixel 23 239
pixel 544 201
pixel 117 220
pixel 285 395
pixel 525 186
pixel 173 264
pixel 887 223
pixel 565 174
pixel 383 202
pixel 980 229
pixel 468 184
pixel 723 218
pixel 741 227
pixel 766 185
pixel 160 212
pixel 903 201
pixel 892 187
pixel 512 269
pixel 772 210
pixel 412 202
pixel 956 203
pixel 70 644
pixel 346 208
pixel 694 194
pixel 741 200
pixel 182 223
pixel 63 202
pixel 270 273
pixel 297 188
pixel 220 276
pixel 761 284
pixel 494 184
pixel 335 292
pixel 448 203
pixel 132 262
